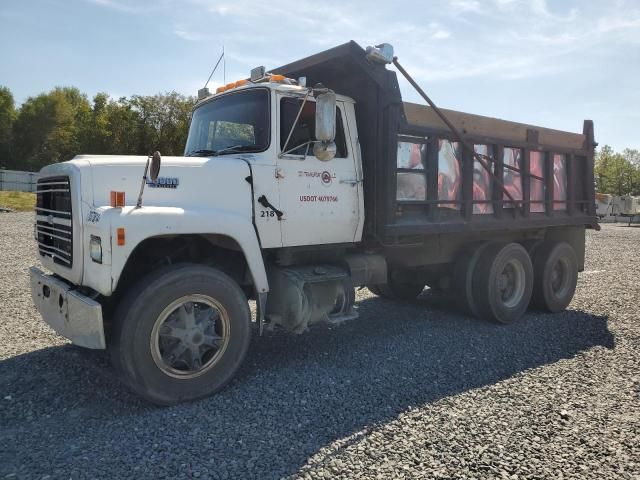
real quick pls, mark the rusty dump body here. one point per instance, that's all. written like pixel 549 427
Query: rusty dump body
pixel 421 186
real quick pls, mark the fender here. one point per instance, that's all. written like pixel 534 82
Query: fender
pixel 142 223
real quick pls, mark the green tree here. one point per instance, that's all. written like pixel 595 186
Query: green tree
pixel 632 156
pixel 7 119
pixel 163 122
pixel 51 127
pixel 618 173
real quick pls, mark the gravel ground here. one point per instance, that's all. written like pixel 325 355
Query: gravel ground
pixel 406 391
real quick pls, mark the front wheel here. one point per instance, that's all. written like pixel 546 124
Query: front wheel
pixel 181 333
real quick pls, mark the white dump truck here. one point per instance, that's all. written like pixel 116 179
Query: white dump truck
pixel 297 185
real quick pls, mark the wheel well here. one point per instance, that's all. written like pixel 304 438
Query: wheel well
pixel 217 251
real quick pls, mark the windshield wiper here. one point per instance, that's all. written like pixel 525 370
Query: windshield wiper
pixel 202 153
pixel 215 153
pixel 238 148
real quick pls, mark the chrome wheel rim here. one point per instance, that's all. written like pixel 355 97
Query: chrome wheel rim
pixel 190 336
pixel 511 283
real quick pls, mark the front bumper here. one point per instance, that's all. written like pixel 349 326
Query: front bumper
pixel 71 314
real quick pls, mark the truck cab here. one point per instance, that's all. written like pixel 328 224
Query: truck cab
pixel 298 198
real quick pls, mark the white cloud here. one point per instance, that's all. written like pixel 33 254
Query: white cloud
pixel 497 38
pixel 440 35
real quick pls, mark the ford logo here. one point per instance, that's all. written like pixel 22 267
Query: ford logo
pixel 164 182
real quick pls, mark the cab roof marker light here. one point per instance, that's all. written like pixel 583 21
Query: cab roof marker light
pixel 257 74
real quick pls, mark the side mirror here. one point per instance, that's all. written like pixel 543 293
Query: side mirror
pixel 324 151
pixel 326 117
pixel 155 166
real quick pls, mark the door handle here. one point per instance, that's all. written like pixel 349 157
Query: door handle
pixel 351 181
pixel 262 200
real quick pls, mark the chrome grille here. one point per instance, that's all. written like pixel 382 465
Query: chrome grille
pixel 54 228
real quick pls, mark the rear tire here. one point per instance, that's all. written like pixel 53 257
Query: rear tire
pixel 346 298
pixel 181 333
pixel 503 282
pixel 463 277
pixel 555 276
pixel 397 290
pixel 375 289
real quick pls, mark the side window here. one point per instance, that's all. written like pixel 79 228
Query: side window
pixel 306 127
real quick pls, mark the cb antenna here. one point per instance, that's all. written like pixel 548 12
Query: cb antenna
pixel 214 68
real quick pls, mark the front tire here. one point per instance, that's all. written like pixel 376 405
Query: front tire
pixel 181 333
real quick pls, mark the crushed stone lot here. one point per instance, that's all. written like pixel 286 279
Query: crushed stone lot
pixel 408 390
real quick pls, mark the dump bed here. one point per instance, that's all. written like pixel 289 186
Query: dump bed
pixel 418 178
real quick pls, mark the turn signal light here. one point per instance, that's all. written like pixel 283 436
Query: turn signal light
pixel 240 83
pixel 276 78
pixel 117 199
pixel 220 89
pixel 120 234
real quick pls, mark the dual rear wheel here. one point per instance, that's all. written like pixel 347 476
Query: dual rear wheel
pixel 499 281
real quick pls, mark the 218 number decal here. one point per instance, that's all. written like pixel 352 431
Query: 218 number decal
pixel 267 213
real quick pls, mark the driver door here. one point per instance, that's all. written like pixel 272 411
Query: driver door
pixel 319 199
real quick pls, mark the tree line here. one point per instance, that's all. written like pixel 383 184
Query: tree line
pixel 618 173
pixel 57 125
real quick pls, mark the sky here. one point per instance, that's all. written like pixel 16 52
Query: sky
pixel 542 62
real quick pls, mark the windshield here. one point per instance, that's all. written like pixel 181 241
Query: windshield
pixel 239 120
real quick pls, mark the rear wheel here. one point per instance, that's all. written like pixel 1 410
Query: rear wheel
pixel 181 333
pixel 345 299
pixel 398 287
pixel 463 277
pixel 555 276
pixel 375 289
pixel 503 282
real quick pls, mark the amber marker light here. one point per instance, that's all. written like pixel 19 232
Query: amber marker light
pixel 117 199
pixel 120 233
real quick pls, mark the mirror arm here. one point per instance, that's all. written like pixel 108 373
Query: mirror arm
pixel 293 127
pixel 307 143
pixel 144 180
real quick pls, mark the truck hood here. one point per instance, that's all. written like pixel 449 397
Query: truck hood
pixel 186 182
pixel 195 191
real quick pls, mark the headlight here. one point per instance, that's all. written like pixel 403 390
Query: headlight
pixel 95 249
